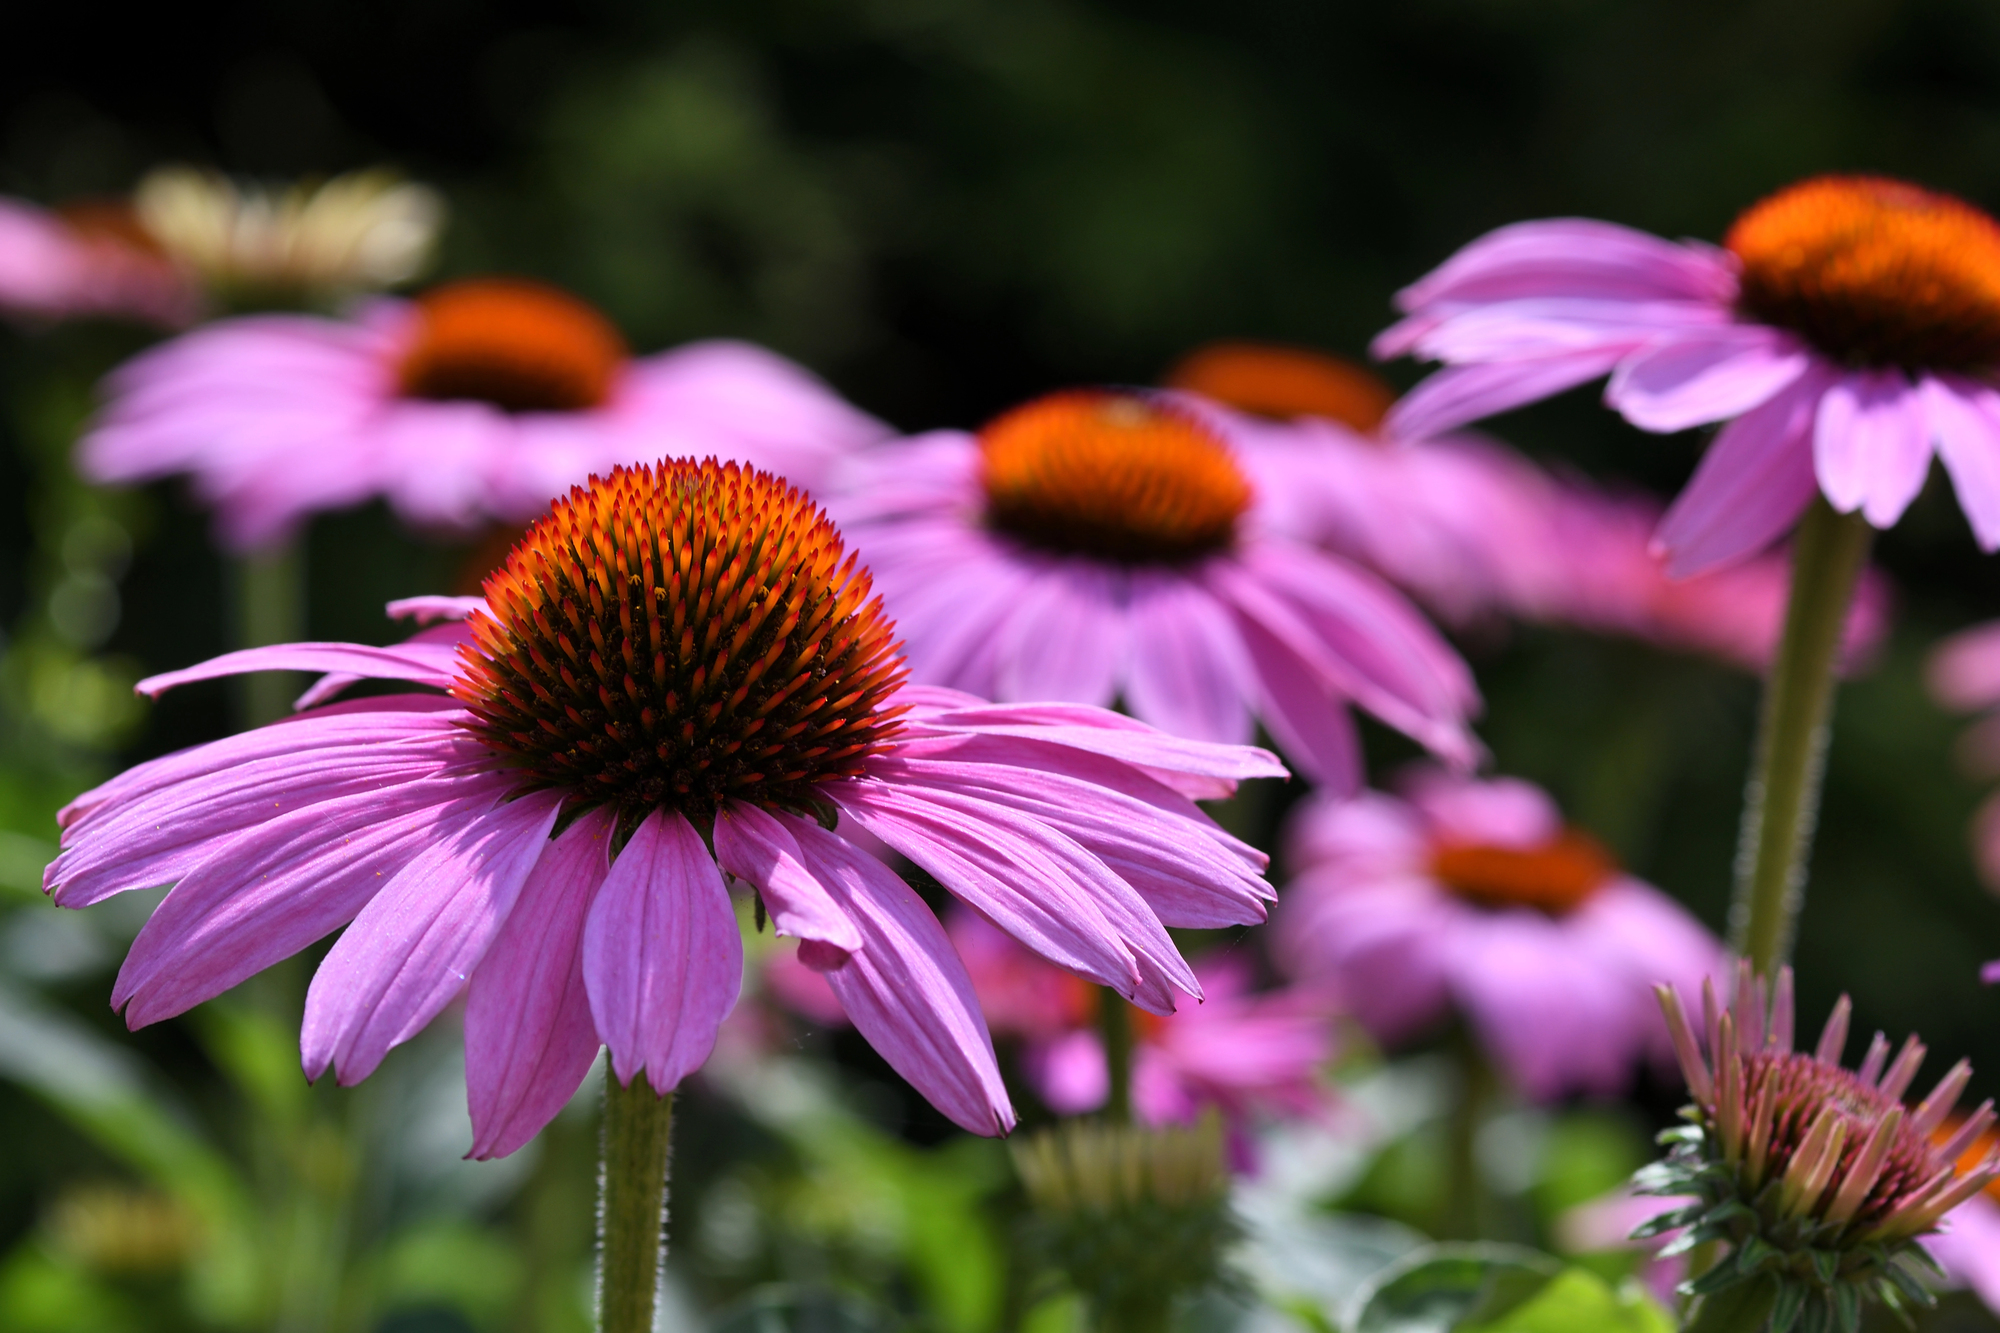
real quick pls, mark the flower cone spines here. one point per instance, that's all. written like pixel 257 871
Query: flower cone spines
pixel 1816 1176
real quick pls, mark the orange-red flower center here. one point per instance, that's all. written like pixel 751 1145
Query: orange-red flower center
pixel 1111 475
pixel 111 222
pixel 1556 877
pixel 1974 1156
pixel 680 635
pixel 519 345
pixel 1874 272
pixel 1285 383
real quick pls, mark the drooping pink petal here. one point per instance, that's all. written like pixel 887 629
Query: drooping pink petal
pixel 1188 672
pixel 1705 375
pixel 1965 421
pixel 425 664
pixel 1531 329
pixel 1456 395
pixel 1064 637
pixel 661 954
pixel 1871 445
pixel 262 895
pixel 906 990
pixel 1752 485
pixel 1579 257
pixel 756 848
pixel 411 949
pixel 1101 731
pixel 1299 708
pixel 529 1036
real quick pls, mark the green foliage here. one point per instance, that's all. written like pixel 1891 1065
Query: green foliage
pixel 1484 1288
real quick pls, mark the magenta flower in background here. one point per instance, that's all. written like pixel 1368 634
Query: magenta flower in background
pixel 1100 545
pixel 1473 897
pixel 1846 331
pixel 679 658
pixel 89 260
pixel 1964 674
pixel 1475 530
pixel 476 402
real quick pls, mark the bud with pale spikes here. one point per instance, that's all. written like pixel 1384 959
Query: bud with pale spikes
pixel 1818 1179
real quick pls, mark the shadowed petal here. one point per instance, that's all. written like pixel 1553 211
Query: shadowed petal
pixel 1456 395
pixel 529 1036
pixel 1871 445
pixel 756 848
pixel 1064 637
pixel 661 954
pixel 1189 672
pixel 1705 375
pixel 410 951
pixel 1752 485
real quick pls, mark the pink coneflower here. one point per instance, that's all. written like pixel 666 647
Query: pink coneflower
pixel 1098 545
pixel 678 673
pixel 1474 897
pixel 90 259
pixel 477 401
pixel 1846 329
pixel 1819 1179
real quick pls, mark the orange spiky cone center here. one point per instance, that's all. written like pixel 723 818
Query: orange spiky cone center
pixel 1111 475
pixel 1285 383
pixel 1556 877
pixel 681 635
pixel 1875 273
pixel 519 345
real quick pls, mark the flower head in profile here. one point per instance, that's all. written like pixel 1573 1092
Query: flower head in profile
pixel 476 401
pixel 305 244
pixel 1846 330
pixel 678 675
pixel 1474 898
pixel 1100 545
pixel 90 259
pixel 1817 1177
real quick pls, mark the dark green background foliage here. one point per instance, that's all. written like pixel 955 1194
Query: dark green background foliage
pixel 946 205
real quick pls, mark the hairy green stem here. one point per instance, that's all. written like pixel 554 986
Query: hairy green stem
pixel 270 608
pixel 1781 801
pixel 1114 1021
pixel 1743 1308
pixel 638 1127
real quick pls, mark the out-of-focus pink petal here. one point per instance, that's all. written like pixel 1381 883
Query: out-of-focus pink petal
pixel 411 949
pixel 905 988
pixel 529 1037
pixel 1501 811
pixel 756 848
pixel 662 956
pixel 1456 395
pixel 1302 713
pixel 1574 257
pixel 1964 670
pixel 1967 1247
pixel 1070 1073
pixel 1705 375
pixel 1871 445
pixel 1065 637
pixel 1189 672
pixel 1965 422
pixel 1752 485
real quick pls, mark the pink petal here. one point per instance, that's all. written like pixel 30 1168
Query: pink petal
pixel 1063 637
pixel 1189 672
pixel 1751 486
pixel 1531 329
pixel 1456 395
pixel 1574 257
pixel 411 949
pixel 906 989
pixel 1101 731
pixel 426 664
pixel 1310 724
pixel 756 848
pixel 265 894
pixel 1964 670
pixel 529 1036
pixel 1965 420
pixel 1871 445
pixel 661 954
pixel 428 610
pixel 1704 375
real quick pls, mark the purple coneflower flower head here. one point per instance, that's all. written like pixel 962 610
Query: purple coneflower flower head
pixel 678 674
pixel 1817 1177
pixel 1475 898
pixel 1846 330
pixel 89 259
pixel 475 402
pixel 1097 545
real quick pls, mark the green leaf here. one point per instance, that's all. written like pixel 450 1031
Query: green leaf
pixel 1578 1301
pixel 1445 1287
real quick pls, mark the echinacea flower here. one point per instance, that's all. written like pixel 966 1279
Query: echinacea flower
pixel 90 259
pixel 1847 329
pixel 1100 545
pixel 309 242
pixel 1819 1179
pixel 1475 898
pixel 477 401
pixel 679 673
pixel 1474 530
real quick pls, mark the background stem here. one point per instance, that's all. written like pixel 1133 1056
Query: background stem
pixel 1781 801
pixel 1114 1022
pixel 638 1128
pixel 270 608
pixel 1461 1207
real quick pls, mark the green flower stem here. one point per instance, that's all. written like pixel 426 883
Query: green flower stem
pixel 1114 1021
pixel 638 1126
pixel 1781 801
pixel 1743 1308
pixel 270 608
pixel 1462 1206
